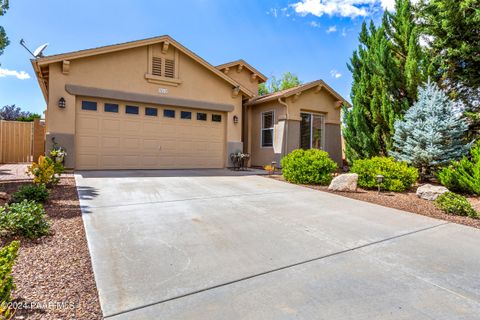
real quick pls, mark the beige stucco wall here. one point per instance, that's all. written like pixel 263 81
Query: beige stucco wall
pixel 262 156
pixel 125 71
pixel 322 102
pixel 244 78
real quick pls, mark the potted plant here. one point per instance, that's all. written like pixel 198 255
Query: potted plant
pixel 57 153
pixel 239 160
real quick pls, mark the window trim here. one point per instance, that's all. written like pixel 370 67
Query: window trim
pixel 262 129
pixel 216 114
pixel 323 115
pixel 182 112
pixel 96 106
pixel 174 113
pixel 151 115
pixel 138 109
pixel 204 113
pixel 111 104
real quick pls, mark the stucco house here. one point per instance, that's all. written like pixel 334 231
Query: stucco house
pixel 154 104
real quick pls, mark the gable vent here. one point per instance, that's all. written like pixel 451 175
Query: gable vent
pixel 157 66
pixel 169 68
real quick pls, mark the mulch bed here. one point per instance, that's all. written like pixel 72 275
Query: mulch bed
pixel 407 201
pixel 55 271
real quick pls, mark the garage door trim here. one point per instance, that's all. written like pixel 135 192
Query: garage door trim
pixel 146 98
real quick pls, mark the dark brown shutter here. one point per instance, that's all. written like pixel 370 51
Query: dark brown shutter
pixel 169 68
pixel 157 66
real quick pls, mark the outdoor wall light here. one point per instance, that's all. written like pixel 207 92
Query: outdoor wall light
pixel 61 103
pixel 379 181
pixel 235 119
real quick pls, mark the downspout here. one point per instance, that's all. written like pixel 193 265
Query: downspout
pixel 285 144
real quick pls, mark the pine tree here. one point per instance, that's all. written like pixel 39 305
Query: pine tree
pixel 431 133
pixel 403 33
pixel 452 28
pixel 387 69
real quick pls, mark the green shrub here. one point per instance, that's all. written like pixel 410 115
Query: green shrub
pixel 26 218
pixel 464 175
pixel 46 171
pixel 398 176
pixel 455 204
pixel 8 254
pixel 312 166
pixel 38 193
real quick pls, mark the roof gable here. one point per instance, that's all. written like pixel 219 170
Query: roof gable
pixel 39 62
pixel 319 84
pixel 243 64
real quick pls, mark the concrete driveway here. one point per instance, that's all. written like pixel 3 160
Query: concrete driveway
pixel 216 245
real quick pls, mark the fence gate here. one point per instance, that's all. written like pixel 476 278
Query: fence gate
pixel 21 141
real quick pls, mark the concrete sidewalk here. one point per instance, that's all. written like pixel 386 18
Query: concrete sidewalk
pixel 185 245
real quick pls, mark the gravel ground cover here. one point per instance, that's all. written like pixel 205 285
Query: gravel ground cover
pixel 407 201
pixel 53 274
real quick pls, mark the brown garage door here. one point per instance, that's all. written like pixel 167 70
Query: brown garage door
pixel 113 135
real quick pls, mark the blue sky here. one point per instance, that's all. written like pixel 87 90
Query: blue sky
pixel 311 38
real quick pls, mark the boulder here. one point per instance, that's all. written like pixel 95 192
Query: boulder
pixel 430 192
pixel 4 196
pixel 344 182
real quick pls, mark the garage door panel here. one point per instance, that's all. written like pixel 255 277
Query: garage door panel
pixel 87 161
pixel 88 142
pixel 111 161
pixel 151 129
pixel 111 126
pixel 87 123
pixel 125 141
pixel 131 143
pixel 151 145
pixel 111 142
pixel 131 126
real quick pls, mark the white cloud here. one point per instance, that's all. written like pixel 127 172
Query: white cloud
pixel 314 24
pixel 332 29
pixel 343 8
pixel 22 75
pixel 344 32
pixel 335 74
pixel 388 4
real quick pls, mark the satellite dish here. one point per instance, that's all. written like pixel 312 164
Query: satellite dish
pixel 38 53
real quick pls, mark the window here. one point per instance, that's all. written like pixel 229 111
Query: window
pixel 169 113
pixel 312 128
pixel 201 116
pixel 216 118
pixel 151 112
pixel 267 129
pixel 110 107
pixel 131 109
pixel 186 115
pixel 89 105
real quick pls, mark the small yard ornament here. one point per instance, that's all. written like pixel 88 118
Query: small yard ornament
pixel 379 181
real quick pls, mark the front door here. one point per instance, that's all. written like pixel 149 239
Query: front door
pixel 312 129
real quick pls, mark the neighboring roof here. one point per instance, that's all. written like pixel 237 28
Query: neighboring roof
pixel 298 89
pixel 37 63
pixel 242 62
pixel 146 98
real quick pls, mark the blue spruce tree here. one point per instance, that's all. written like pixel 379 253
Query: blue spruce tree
pixel 431 133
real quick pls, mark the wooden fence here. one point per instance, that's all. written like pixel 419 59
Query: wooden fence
pixel 21 141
